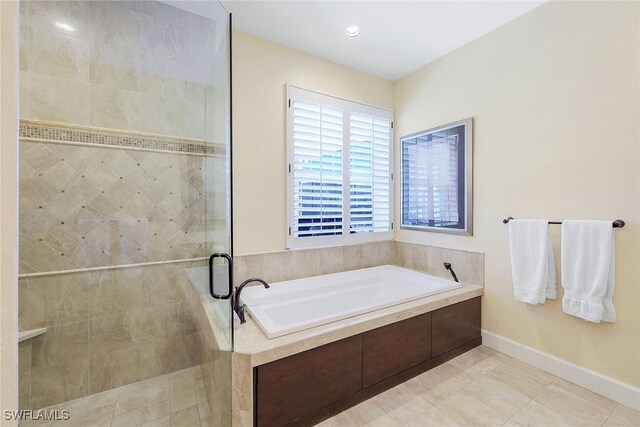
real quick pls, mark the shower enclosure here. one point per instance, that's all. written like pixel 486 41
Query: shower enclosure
pixel 125 161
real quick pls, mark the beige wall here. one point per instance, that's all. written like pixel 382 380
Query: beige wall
pixel 8 207
pixel 260 71
pixel 555 97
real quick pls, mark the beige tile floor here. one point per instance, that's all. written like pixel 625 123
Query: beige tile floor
pixel 176 399
pixel 479 388
pixel 485 388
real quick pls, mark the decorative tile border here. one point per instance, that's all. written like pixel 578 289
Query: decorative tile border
pixel 37 131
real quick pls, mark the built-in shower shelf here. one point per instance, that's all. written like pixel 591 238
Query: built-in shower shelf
pixel 25 335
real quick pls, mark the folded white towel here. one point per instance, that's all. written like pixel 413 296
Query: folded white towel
pixel 533 265
pixel 588 270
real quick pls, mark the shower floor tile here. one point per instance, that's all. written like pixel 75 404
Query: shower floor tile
pixel 168 400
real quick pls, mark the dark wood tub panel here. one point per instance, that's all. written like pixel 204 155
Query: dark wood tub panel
pixel 308 387
pixel 292 387
pixel 394 348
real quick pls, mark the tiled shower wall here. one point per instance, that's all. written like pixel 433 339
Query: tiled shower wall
pixel 121 125
pixel 130 74
pixel 105 329
pixel 131 65
pixel 87 206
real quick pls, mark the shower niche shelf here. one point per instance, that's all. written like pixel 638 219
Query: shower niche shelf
pixel 25 335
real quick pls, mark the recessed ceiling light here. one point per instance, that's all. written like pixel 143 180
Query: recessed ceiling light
pixel 65 26
pixel 352 30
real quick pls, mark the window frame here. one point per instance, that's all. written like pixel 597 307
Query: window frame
pixel 343 239
pixel 468 179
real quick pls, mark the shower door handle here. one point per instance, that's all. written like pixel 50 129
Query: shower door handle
pixel 230 266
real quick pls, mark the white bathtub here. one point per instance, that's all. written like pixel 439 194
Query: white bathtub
pixel 296 305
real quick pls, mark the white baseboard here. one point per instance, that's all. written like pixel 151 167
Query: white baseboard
pixel 618 391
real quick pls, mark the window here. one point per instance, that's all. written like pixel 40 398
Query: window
pixel 339 165
pixel 436 179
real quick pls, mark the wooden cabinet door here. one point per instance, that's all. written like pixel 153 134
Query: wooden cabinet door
pixel 301 384
pixel 455 325
pixel 394 348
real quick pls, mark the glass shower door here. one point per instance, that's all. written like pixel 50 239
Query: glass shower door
pixel 218 225
pixel 125 193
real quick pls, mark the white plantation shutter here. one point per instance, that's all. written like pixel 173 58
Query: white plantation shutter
pixel 339 161
pixel 369 171
pixel 317 169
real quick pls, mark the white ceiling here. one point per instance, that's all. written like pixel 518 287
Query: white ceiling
pixel 397 37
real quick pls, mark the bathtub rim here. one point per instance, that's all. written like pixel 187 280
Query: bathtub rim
pixel 251 342
pixel 257 310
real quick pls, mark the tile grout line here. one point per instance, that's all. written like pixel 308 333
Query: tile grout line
pixel 531 400
pixel 614 407
pixel 523 406
pixel 610 413
pixel 496 367
pixel 468 385
pixel 534 398
pixel 113 411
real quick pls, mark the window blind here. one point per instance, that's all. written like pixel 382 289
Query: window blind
pixel 339 160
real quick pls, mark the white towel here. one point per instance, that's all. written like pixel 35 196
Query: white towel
pixel 588 270
pixel 533 266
